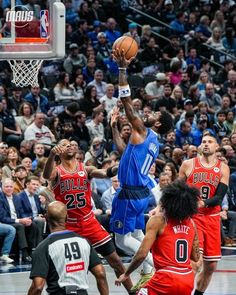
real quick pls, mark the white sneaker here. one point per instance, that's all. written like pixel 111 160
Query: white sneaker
pixel 5 258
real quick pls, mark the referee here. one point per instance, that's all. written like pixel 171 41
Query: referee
pixel 63 260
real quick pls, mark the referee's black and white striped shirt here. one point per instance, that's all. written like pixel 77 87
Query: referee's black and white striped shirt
pixel 64 259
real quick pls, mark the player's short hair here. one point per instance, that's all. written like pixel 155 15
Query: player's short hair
pixel 208 134
pixel 179 200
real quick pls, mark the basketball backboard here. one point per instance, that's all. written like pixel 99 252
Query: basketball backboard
pixel 30 31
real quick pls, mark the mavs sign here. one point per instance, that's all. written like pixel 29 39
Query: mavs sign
pixel 19 16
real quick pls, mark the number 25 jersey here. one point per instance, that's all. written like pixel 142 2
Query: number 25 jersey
pixel 206 180
pixel 73 189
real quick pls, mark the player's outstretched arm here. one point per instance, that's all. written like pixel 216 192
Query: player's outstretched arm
pixel 125 93
pixel 101 173
pixel 153 227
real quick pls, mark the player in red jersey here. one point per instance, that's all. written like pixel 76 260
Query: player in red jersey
pixel 211 177
pixel 71 184
pixel 172 237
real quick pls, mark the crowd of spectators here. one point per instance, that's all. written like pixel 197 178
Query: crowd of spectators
pixel 76 96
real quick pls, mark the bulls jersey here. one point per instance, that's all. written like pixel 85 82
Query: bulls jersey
pixel 207 181
pixel 137 160
pixel 174 246
pixel 73 189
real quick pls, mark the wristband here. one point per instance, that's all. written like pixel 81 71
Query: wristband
pixel 110 173
pixel 124 91
pixel 122 69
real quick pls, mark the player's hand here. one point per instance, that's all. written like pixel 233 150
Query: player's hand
pixel 59 149
pixel 119 56
pixel 201 204
pixel 115 114
pixel 122 278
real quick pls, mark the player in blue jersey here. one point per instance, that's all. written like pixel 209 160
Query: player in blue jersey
pixel 131 200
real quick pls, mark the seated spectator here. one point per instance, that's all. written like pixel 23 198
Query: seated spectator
pixel 133 32
pixel 26 116
pixel 171 50
pixel 89 71
pixel 151 54
pixel 38 100
pixel 37 132
pixel 27 163
pixel 111 33
pixel 12 161
pixel 79 36
pixel 168 12
pixel 25 149
pixel 69 113
pixel 166 102
pixel 11 130
pixel 177 94
pixel 93 35
pixel 102 48
pixel 99 83
pixel 7 232
pixel 198 132
pixel 96 154
pixel 64 92
pixel 175 73
pixel 3 151
pixel 218 21
pixel 15 100
pixel 202 81
pixel 95 126
pixel 171 171
pixel 192 58
pixel 155 89
pixel 184 134
pixel 211 98
pixel 90 102
pixel 219 127
pixel 79 86
pixel 75 60
pixel 215 41
pixel 108 195
pixel 229 41
pixel 179 57
pixel 229 86
pixel 164 179
pixel 32 207
pixel 204 28
pixel 11 212
pixel 177 25
pixel 39 152
pixel 146 34
pixel 71 14
pixel 20 175
pixel 108 100
pixel 81 132
pixel 222 74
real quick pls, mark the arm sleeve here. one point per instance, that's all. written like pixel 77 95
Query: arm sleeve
pixel 217 199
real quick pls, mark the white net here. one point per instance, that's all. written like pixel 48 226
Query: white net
pixel 25 72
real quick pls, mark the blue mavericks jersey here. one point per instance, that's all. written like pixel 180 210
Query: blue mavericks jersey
pixel 137 160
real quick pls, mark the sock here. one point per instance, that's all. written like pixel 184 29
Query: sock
pixel 198 292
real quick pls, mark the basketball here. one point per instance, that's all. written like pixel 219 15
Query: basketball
pixel 128 44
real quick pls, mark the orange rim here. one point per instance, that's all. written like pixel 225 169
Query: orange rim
pixel 30 40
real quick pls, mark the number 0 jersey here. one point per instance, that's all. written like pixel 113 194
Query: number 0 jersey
pixel 207 181
pixel 73 189
pixel 172 249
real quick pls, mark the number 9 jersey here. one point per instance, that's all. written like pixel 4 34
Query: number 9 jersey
pixel 207 181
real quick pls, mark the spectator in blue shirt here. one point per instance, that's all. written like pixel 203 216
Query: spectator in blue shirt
pixel 177 24
pixel 38 100
pixel 192 58
pixel 184 135
pixel 111 33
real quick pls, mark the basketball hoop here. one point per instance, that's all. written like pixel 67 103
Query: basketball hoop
pixel 25 72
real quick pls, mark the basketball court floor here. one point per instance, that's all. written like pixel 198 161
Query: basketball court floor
pixel 14 279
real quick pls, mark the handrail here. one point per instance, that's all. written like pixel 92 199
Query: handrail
pixel 151 17
pixel 153 32
pixel 169 27
pixel 212 62
pixel 165 38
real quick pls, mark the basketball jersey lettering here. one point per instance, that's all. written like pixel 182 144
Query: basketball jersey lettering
pixel 205 192
pixel 72 251
pixel 146 165
pixel 181 251
pixel 206 177
pixel 75 201
pixel 72 185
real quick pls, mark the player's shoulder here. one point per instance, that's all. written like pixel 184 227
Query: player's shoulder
pixel 188 163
